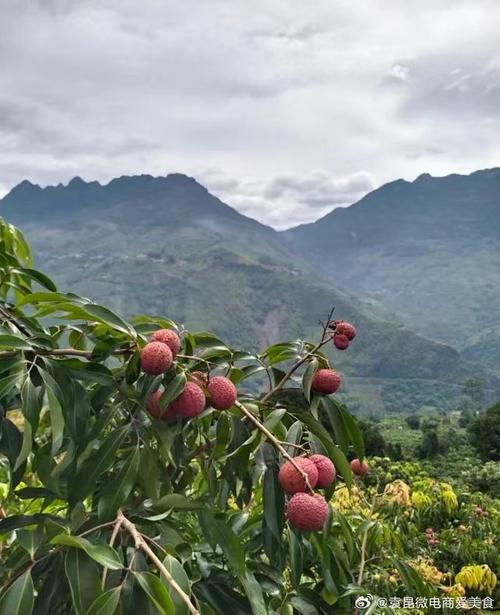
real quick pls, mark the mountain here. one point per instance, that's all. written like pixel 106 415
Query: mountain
pixel 428 250
pixel 166 246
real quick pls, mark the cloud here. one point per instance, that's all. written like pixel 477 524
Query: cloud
pixel 288 200
pixel 267 92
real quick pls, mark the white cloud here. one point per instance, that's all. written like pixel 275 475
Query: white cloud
pixel 267 92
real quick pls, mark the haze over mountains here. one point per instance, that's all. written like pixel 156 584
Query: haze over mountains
pixel 427 251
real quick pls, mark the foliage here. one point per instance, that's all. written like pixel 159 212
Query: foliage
pixel 485 433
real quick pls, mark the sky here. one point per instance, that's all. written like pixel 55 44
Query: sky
pixel 285 109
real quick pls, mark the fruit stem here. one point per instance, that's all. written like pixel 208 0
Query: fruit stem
pixel 140 543
pixel 274 442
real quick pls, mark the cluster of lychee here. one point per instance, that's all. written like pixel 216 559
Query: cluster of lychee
pixel 431 537
pixel 343 334
pixel 158 356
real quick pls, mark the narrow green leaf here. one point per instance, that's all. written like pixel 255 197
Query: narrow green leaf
pixel 179 574
pixel 36 276
pixel 12 342
pixel 26 446
pixel 106 603
pixel 18 599
pixel 56 420
pixel 102 554
pixel 157 592
pixel 99 462
pixel 173 390
pixel 108 317
pixel 312 368
pixel 254 593
pixel 296 558
pixel 30 540
pixel 83 578
pixel 176 501
pixel 115 493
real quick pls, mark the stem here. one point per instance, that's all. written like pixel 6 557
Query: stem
pixel 274 442
pixel 140 543
pixel 114 534
pixel 57 352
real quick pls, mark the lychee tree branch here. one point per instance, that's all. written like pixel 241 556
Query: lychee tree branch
pixel 141 544
pixel 275 442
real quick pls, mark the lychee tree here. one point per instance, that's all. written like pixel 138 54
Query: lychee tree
pixel 151 468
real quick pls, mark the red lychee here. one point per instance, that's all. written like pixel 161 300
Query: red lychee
pixel 341 341
pixel 326 470
pixel 155 410
pixel 359 467
pixel 308 513
pixel 156 358
pixel 343 327
pixel 190 402
pixel 168 337
pixel 292 480
pixel 326 381
pixel 222 392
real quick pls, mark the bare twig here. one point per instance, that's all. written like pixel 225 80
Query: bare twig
pixel 140 543
pixel 274 442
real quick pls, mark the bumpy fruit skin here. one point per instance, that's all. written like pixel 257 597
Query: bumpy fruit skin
pixel 168 337
pixel 156 358
pixel 292 481
pixel 308 513
pixel 155 410
pixel 341 341
pixel 190 402
pixel 345 328
pixel 326 471
pixel 326 381
pixel 360 468
pixel 222 392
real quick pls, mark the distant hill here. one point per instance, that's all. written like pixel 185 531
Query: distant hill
pixel 428 250
pixel 165 245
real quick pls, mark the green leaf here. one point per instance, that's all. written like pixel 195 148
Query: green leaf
pixel 254 593
pixel 108 317
pixel 30 540
pixel 102 554
pixel 12 342
pixel 83 578
pixel 173 390
pixel 303 606
pixel 19 597
pixel 294 436
pixel 106 603
pixel 179 574
pixel 85 370
pixel 230 544
pixel 157 592
pixel 99 462
pixel 56 420
pixel 36 276
pixel 115 493
pixel 32 401
pixel 312 368
pixel 26 446
pixel 296 558
pixel 11 441
pixel 274 505
pixel 337 422
pixel 176 501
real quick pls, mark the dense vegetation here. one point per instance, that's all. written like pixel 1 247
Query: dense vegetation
pixel 109 506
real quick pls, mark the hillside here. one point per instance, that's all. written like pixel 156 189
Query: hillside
pixel 166 246
pixel 429 250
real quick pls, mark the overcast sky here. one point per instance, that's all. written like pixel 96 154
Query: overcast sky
pixel 284 109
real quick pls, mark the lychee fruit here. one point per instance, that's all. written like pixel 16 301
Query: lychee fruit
pixel 156 358
pixel 155 410
pixel 326 470
pixel 340 341
pixel 360 468
pixel 168 337
pixel 190 402
pixel 326 381
pixel 222 392
pixel 308 513
pixel 201 378
pixel 292 480
pixel 343 327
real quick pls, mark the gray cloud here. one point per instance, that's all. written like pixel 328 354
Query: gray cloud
pixel 298 110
